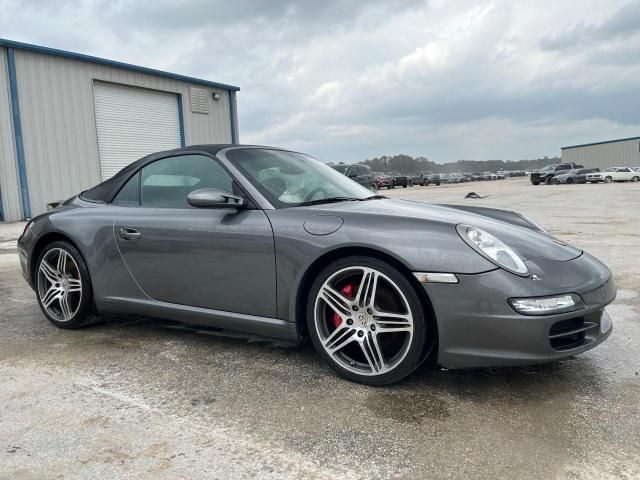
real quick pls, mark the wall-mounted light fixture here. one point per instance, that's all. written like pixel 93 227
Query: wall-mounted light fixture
pixel 216 96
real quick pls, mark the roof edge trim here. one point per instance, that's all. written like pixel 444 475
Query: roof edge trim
pixel 113 63
pixel 600 143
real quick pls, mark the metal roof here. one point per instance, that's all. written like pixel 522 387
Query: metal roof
pixel 600 143
pixel 112 63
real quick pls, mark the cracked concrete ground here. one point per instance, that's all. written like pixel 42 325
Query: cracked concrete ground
pixel 145 398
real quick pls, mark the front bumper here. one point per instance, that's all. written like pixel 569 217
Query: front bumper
pixel 23 256
pixel 477 327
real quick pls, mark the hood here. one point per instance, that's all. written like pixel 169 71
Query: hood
pixel 511 228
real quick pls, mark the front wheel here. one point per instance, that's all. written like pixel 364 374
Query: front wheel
pixel 548 180
pixel 366 320
pixel 63 287
pixel 608 180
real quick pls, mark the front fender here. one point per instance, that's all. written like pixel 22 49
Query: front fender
pixel 418 244
pixel 508 216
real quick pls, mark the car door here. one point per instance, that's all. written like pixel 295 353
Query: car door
pixel 624 174
pixel 221 259
pixel 364 174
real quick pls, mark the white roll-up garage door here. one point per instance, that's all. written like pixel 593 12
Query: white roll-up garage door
pixel 132 123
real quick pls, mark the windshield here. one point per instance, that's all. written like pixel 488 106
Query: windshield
pixel 288 179
pixel 341 168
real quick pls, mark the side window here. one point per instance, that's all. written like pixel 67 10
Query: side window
pixel 129 195
pixel 167 182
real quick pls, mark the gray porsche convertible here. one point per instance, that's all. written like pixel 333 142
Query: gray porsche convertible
pixel 275 243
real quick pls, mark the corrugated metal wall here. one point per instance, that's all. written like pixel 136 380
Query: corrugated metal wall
pixel 8 175
pixel 58 121
pixel 625 153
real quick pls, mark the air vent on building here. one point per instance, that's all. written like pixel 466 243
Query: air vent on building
pixel 199 100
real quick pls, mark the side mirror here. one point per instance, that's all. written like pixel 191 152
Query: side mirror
pixel 214 198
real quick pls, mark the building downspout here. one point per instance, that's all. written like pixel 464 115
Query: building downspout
pixel 17 133
pixel 233 117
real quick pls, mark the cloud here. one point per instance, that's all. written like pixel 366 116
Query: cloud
pixel 346 79
pixel 623 23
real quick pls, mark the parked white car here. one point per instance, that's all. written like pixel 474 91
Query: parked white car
pixel 614 174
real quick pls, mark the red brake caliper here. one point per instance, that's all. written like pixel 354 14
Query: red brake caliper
pixel 347 291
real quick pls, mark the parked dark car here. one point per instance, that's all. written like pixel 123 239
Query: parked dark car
pixel 357 172
pixel 400 180
pixel 277 244
pixel 382 180
pixel 547 173
pixel 425 178
pixel 458 177
pixel 576 175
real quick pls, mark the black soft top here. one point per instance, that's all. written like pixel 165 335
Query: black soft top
pixel 105 191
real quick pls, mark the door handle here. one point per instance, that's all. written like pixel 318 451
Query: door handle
pixel 127 233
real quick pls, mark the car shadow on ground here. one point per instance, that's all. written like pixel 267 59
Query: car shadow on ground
pixel 428 388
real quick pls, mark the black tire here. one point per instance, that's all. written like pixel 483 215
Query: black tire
pixel 416 351
pixel 569 180
pixel 635 179
pixel 608 180
pixel 86 312
pixel 536 183
pixel 404 186
pixel 548 180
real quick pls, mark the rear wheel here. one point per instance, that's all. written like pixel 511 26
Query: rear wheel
pixel 63 287
pixel 536 183
pixel 366 320
pixel 569 180
pixel 635 179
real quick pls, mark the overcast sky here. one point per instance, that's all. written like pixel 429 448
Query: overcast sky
pixel 350 79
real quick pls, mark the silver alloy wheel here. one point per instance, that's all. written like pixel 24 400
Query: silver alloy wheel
pixel 59 284
pixel 362 322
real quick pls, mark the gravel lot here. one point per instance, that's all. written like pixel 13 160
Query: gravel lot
pixel 137 398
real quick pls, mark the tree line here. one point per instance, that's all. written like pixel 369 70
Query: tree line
pixel 407 164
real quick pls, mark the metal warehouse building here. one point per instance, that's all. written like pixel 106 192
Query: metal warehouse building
pixel 613 153
pixel 68 121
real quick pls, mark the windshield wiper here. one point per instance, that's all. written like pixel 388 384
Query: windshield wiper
pixel 373 197
pixel 327 200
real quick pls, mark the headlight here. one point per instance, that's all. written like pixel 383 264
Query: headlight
pixel 493 249
pixel 547 305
